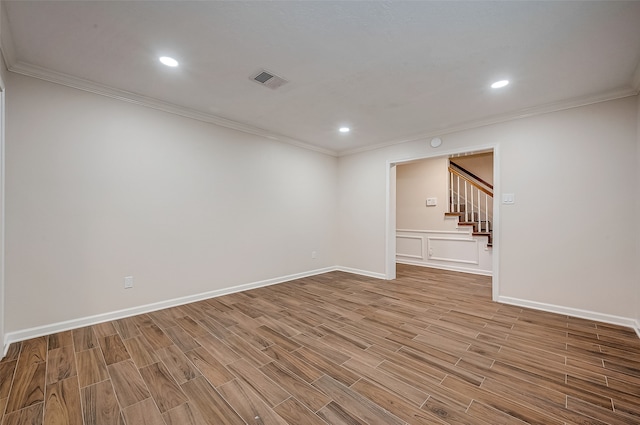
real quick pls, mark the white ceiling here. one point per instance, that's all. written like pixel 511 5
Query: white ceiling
pixel 391 71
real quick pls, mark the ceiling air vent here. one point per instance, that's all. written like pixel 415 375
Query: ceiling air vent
pixel 268 79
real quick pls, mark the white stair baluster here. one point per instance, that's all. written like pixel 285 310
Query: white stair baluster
pixel 458 209
pixel 486 214
pixel 466 202
pixel 477 218
pixel 451 192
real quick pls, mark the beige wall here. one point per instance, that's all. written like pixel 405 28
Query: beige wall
pixel 479 164
pixel 415 182
pixel 566 241
pixel 99 189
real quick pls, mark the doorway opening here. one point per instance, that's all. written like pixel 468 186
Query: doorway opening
pixel 410 240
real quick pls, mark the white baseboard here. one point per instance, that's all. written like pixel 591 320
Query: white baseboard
pixel 361 272
pixel 575 312
pixel 445 267
pixel 25 334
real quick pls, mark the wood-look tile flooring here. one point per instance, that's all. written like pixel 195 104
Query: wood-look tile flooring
pixel 428 348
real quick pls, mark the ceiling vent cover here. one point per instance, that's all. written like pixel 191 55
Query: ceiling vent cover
pixel 268 79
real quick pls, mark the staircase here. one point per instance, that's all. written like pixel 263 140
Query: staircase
pixel 471 200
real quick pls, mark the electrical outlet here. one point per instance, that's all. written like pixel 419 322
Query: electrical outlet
pixel 128 282
pixel 314 255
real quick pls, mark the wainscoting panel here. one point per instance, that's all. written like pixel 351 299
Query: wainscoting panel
pixel 456 250
pixel 410 247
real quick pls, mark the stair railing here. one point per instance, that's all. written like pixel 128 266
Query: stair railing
pixel 467 189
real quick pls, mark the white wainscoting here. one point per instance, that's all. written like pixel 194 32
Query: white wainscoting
pixel 410 247
pixel 456 250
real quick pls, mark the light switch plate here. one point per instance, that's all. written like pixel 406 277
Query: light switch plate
pixel 432 202
pixel 508 198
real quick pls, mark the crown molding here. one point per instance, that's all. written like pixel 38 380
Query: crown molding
pixel 100 89
pixel 126 96
pixel 7 49
pixel 497 119
pixel 635 83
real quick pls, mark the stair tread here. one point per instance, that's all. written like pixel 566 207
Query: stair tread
pixel 474 232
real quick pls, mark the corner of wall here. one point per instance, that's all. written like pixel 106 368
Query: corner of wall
pixel 637 263
pixel 3 67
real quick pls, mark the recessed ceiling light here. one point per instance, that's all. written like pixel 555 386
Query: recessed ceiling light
pixel 500 84
pixel 344 129
pixel 166 60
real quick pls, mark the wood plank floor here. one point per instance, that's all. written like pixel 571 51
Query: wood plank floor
pixel 428 348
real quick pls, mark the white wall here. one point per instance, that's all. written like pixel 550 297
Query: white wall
pixel 558 246
pixel 2 129
pixel 637 273
pixel 415 182
pixel 98 189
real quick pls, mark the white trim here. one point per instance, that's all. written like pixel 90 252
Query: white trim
pixel 390 232
pixel 2 209
pixel 495 238
pixel 497 119
pixel 367 273
pixel 635 83
pixel 390 248
pixel 446 267
pixel 7 45
pixel 418 257
pixel 103 90
pixel 420 238
pixel 25 334
pixel 574 312
pixel 114 315
pixel 442 153
pixel 461 231
pixel 454 260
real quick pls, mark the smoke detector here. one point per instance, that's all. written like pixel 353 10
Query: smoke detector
pixel 268 79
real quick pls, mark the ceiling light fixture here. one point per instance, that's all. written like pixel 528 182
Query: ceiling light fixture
pixel 344 129
pixel 500 84
pixel 166 60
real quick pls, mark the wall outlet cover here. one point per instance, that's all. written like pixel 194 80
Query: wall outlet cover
pixel 128 282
